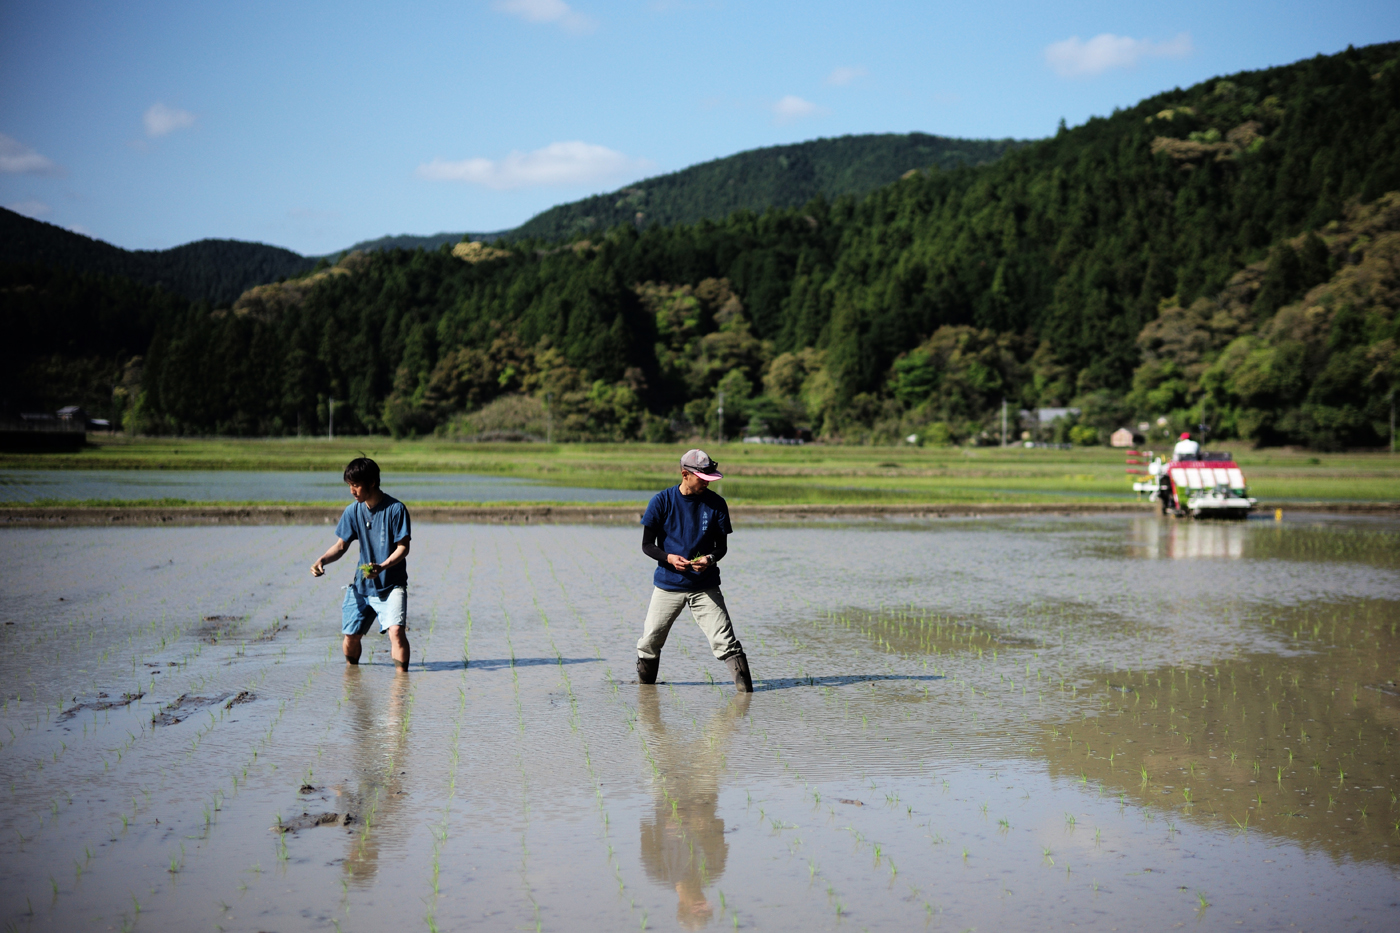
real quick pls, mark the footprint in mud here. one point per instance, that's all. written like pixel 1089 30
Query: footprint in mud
pixel 215 629
pixel 271 632
pixel 184 705
pixel 102 702
pixel 312 820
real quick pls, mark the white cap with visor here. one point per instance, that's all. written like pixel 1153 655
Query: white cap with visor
pixel 698 462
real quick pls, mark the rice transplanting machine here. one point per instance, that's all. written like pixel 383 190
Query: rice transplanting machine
pixel 1208 485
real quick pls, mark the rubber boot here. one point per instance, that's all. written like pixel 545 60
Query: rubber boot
pixel 739 666
pixel 647 668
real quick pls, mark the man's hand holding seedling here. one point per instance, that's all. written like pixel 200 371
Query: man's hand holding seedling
pixel 678 562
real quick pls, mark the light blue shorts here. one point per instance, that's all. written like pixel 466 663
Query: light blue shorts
pixel 358 612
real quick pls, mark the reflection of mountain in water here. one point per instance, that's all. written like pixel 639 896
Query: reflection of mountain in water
pixel 683 844
pixel 1295 744
pixel 377 794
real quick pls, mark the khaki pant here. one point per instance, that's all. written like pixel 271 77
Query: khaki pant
pixel 706 607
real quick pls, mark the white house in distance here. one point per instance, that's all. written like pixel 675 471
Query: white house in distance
pixel 1121 438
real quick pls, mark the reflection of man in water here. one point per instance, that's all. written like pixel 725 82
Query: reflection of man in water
pixel 377 794
pixel 683 841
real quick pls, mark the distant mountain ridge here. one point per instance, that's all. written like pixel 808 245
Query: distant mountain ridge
pixel 217 271
pixel 409 241
pixel 757 179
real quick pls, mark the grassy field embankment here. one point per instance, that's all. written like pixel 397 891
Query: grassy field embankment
pixel 756 474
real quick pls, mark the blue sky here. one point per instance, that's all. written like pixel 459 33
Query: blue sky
pixel 314 125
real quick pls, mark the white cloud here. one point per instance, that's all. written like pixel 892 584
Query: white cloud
pixel 569 163
pixel 793 107
pixel 18 159
pixel 548 11
pixel 30 208
pixel 840 77
pixel 161 120
pixel 1074 57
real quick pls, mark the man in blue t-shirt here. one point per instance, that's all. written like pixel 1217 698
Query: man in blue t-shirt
pixel 685 530
pixel 379 588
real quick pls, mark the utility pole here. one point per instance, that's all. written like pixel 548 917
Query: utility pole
pixel 330 435
pixel 548 418
pixel 721 416
pixel 1003 422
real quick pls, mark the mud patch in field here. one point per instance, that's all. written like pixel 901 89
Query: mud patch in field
pixel 312 820
pixel 271 632
pixel 102 702
pixel 216 628
pixel 186 705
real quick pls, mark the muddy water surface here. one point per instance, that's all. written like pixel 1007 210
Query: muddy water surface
pixel 1000 724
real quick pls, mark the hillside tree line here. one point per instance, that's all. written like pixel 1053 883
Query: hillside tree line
pixel 1226 252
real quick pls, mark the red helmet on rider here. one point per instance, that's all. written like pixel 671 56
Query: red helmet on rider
pixel 1185 435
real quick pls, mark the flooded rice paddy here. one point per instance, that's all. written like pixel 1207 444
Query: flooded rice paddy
pixel 1118 723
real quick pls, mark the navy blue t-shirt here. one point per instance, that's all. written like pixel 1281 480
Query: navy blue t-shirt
pixel 379 530
pixel 690 526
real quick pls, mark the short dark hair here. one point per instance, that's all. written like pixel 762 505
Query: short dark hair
pixel 362 471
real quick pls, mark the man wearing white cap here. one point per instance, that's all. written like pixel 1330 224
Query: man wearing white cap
pixel 685 530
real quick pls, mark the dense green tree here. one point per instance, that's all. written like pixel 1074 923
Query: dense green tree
pixel 217 271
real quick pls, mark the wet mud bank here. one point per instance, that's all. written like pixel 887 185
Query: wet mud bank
pixel 147 516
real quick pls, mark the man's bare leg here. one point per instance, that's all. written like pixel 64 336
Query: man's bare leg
pixel 350 644
pixel 399 648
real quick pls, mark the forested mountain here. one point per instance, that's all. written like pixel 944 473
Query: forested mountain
pixel 1227 250
pixel 756 180
pixel 217 271
pixel 775 176
pixel 409 241
pixel 71 337
pixel 779 176
pixel 1259 365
